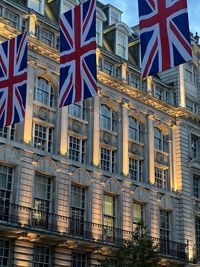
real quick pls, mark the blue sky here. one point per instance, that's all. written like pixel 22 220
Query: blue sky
pixel 130 15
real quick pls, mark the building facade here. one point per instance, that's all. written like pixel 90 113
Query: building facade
pixel 74 182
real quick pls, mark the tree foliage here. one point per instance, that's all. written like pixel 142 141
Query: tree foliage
pixel 140 251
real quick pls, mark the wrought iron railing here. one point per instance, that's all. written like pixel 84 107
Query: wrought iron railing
pixel 28 218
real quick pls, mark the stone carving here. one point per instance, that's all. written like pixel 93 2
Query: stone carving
pixel 107 138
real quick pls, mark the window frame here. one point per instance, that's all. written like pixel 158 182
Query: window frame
pixel 40 10
pixel 161 141
pixel 135 126
pixel 107 118
pixel 50 254
pixel 12 23
pixel 161 181
pixel 78 110
pixel 139 170
pixel 47 94
pixel 2 257
pixel 47 140
pixel 78 151
pixel 108 162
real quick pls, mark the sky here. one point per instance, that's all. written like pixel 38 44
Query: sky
pixel 130 12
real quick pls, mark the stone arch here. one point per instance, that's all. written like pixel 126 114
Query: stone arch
pixel 81 177
pixel 100 14
pixel 139 116
pixel 8 154
pixel 47 166
pixel 195 164
pixel 49 77
pixel 112 186
pixel 166 203
pixel 121 26
pixel 163 127
pixel 111 104
pixel 141 195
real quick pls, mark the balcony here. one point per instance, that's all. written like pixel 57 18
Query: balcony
pixel 28 219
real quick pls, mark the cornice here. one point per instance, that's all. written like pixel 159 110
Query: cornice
pixel 175 112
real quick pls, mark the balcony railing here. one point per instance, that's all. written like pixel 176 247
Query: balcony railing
pixel 27 218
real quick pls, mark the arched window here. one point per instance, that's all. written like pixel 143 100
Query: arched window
pixel 78 110
pixel 134 129
pixel 108 120
pixel 160 140
pixel 44 92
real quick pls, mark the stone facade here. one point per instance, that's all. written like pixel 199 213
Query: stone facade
pixel 75 181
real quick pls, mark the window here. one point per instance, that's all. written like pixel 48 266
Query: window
pixel 4 252
pixel 118 72
pixel 161 178
pixel 46 37
pixel 77 149
pixel 108 160
pixel 197 231
pixel 78 195
pixel 99 32
pixel 37 5
pixel 134 81
pixel 79 260
pixel 8 132
pixel 12 17
pixel 42 199
pixel 122 45
pixel 160 140
pixel 42 256
pixel 6 173
pixel 24 25
pixel 108 68
pixel 58 43
pixel 136 169
pixel 191 73
pixel 138 214
pixel 195 146
pixel 164 231
pixel 161 94
pixel 108 120
pixel 44 92
pixel 78 110
pixel 109 215
pixel 43 138
pixel 196 186
pixel 115 17
pixel 134 129
pixel 192 106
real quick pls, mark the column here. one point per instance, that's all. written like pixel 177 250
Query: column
pixel 125 160
pixel 32 22
pixel 151 148
pixel 29 106
pixel 149 85
pixel 98 53
pixel 124 70
pixel 182 87
pixel 96 131
pixel 171 166
pixel 63 130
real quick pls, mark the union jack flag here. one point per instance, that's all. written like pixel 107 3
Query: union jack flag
pixel 164 34
pixel 78 54
pixel 13 80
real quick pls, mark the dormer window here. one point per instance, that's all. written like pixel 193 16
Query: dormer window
pixel 114 17
pixel 122 45
pixel 37 5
